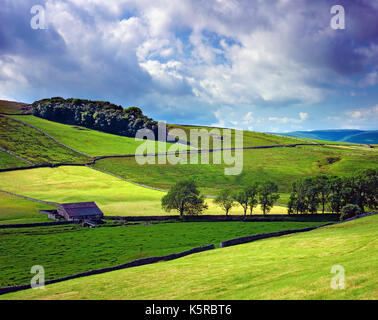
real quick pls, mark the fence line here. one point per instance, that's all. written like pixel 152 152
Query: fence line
pixel 135 263
pixel 46 134
pixel 29 198
pixel 15 155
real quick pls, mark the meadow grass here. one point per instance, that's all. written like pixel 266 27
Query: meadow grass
pixel 9 161
pixel 33 145
pixel 15 210
pixel 67 250
pixel 92 142
pixel 250 138
pixel 281 165
pixel 114 196
pixel 290 267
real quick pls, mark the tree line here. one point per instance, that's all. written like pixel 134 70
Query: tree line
pixel 99 115
pixel 349 196
pixel 186 199
pixel 332 193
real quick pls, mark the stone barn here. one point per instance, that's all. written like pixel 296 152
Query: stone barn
pixel 80 211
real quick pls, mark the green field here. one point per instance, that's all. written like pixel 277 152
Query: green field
pixel 289 267
pixel 67 250
pixel 15 210
pixel 79 184
pixel 34 146
pixel 250 138
pixel 92 142
pixel 9 161
pixel 281 165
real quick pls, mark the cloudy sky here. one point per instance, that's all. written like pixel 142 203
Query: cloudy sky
pixel 261 65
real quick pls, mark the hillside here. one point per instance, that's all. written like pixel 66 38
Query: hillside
pixel 9 161
pixel 114 196
pixel 15 210
pixel 249 271
pixel 350 135
pixel 67 250
pixel 91 142
pixel 281 165
pixel 32 145
pixel 11 107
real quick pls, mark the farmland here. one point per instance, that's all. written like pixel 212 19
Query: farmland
pixel 121 186
pixel 14 210
pixel 281 165
pixel 114 196
pixel 91 142
pixel 289 267
pixel 67 250
pixel 34 146
pixel 9 161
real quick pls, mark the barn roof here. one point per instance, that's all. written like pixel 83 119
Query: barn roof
pixel 81 209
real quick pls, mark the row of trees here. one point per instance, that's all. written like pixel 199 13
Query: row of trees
pixel 346 195
pixel 249 197
pixel 185 197
pixel 99 115
pixel 332 193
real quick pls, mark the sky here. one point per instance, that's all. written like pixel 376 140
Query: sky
pixel 262 65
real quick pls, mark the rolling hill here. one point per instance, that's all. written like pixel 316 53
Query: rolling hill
pixel 290 267
pixel 281 165
pixel 12 107
pixel 91 142
pixel 345 135
pixel 114 196
pixel 33 146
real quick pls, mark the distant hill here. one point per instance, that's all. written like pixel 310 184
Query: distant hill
pixel 11 107
pixel 345 135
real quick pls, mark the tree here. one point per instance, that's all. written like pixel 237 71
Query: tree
pixel 252 192
pixel 268 195
pixel 185 198
pixel 98 115
pixel 242 198
pixel 371 185
pixel 311 194
pixel 349 211
pixel 361 189
pixel 323 190
pixel 224 200
pixel 335 185
pixel 292 205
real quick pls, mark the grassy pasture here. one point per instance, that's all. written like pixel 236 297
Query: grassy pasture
pixel 289 267
pixel 15 210
pixel 11 107
pixel 9 161
pixel 250 138
pixel 281 165
pixel 92 142
pixel 113 195
pixel 33 145
pixel 66 250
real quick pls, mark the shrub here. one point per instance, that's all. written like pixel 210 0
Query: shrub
pixel 350 211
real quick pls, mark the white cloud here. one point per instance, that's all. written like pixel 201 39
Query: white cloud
pixel 302 117
pixel 187 55
pixel 364 114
